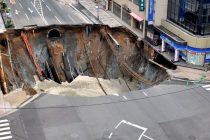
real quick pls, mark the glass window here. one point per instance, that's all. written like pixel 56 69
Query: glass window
pixel 193 15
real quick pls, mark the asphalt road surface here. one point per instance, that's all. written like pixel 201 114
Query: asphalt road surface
pixel 24 13
pixel 164 112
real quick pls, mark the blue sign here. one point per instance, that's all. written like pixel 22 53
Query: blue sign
pixel 151 12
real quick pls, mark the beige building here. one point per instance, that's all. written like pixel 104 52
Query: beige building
pixel 180 28
pixel 129 12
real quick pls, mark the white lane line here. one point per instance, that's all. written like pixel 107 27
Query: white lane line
pixel 72 19
pixel 82 16
pixel 58 20
pixel 3 121
pixel 6 138
pixel 5 133
pixel 48 8
pixel 125 97
pixel 27 16
pixel 5 128
pixel 20 4
pixel 145 94
pixel 206 86
pixel 110 136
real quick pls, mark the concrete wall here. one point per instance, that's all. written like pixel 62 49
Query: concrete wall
pixel 134 8
pixel 160 9
pixel 192 40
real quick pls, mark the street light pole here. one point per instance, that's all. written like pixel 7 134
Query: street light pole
pixel 97 10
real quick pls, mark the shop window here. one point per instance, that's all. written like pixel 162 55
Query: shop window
pixel 192 15
pixel 117 9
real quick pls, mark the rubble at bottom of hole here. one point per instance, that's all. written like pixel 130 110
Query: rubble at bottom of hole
pixel 86 86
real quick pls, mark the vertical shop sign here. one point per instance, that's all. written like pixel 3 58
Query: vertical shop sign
pixel 151 12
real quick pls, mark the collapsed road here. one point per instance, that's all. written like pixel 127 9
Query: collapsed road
pixel 62 53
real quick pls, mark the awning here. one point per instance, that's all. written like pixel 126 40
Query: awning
pixel 172 43
pixel 171 35
pixel 136 17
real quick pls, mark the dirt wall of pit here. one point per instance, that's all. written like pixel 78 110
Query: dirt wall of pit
pixel 62 53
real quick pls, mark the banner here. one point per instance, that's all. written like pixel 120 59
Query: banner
pixel 151 12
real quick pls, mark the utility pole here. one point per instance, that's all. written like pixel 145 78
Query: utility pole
pixel 97 7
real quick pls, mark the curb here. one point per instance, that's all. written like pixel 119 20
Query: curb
pixel 189 81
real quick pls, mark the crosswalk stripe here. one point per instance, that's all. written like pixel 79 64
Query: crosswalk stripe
pixel 4 124
pixel 4 129
pixel 208 89
pixel 3 121
pixel 206 86
pixel 5 133
pixel 6 138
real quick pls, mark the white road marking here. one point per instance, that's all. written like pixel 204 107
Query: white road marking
pixel 27 16
pixel 206 86
pixel 16 12
pixel 125 97
pixel 208 89
pixel 110 136
pixel 137 126
pixel 5 133
pixel 42 0
pixel 30 10
pixel 20 4
pixel 48 8
pixel 115 94
pixel 42 17
pixel 3 121
pixel 145 94
pixel 148 137
pixel 6 138
pixel 4 124
pixel 72 19
pixel 4 129
pixel 84 18
pixel 58 20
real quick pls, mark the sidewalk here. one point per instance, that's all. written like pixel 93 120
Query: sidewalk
pixel 104 17
pixel 189 74
pixel 107 17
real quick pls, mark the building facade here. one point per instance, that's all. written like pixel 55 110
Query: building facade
pixel 179 27
pixel 184 32
pixel 132 12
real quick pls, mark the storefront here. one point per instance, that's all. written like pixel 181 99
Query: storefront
pixel 194 56
pixel 175 47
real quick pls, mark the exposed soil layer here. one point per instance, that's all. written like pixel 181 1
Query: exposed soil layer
pixel 61 53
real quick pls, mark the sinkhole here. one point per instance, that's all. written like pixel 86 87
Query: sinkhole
pixel 81 60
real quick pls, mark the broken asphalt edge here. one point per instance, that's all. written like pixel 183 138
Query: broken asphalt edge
pixel 13 109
